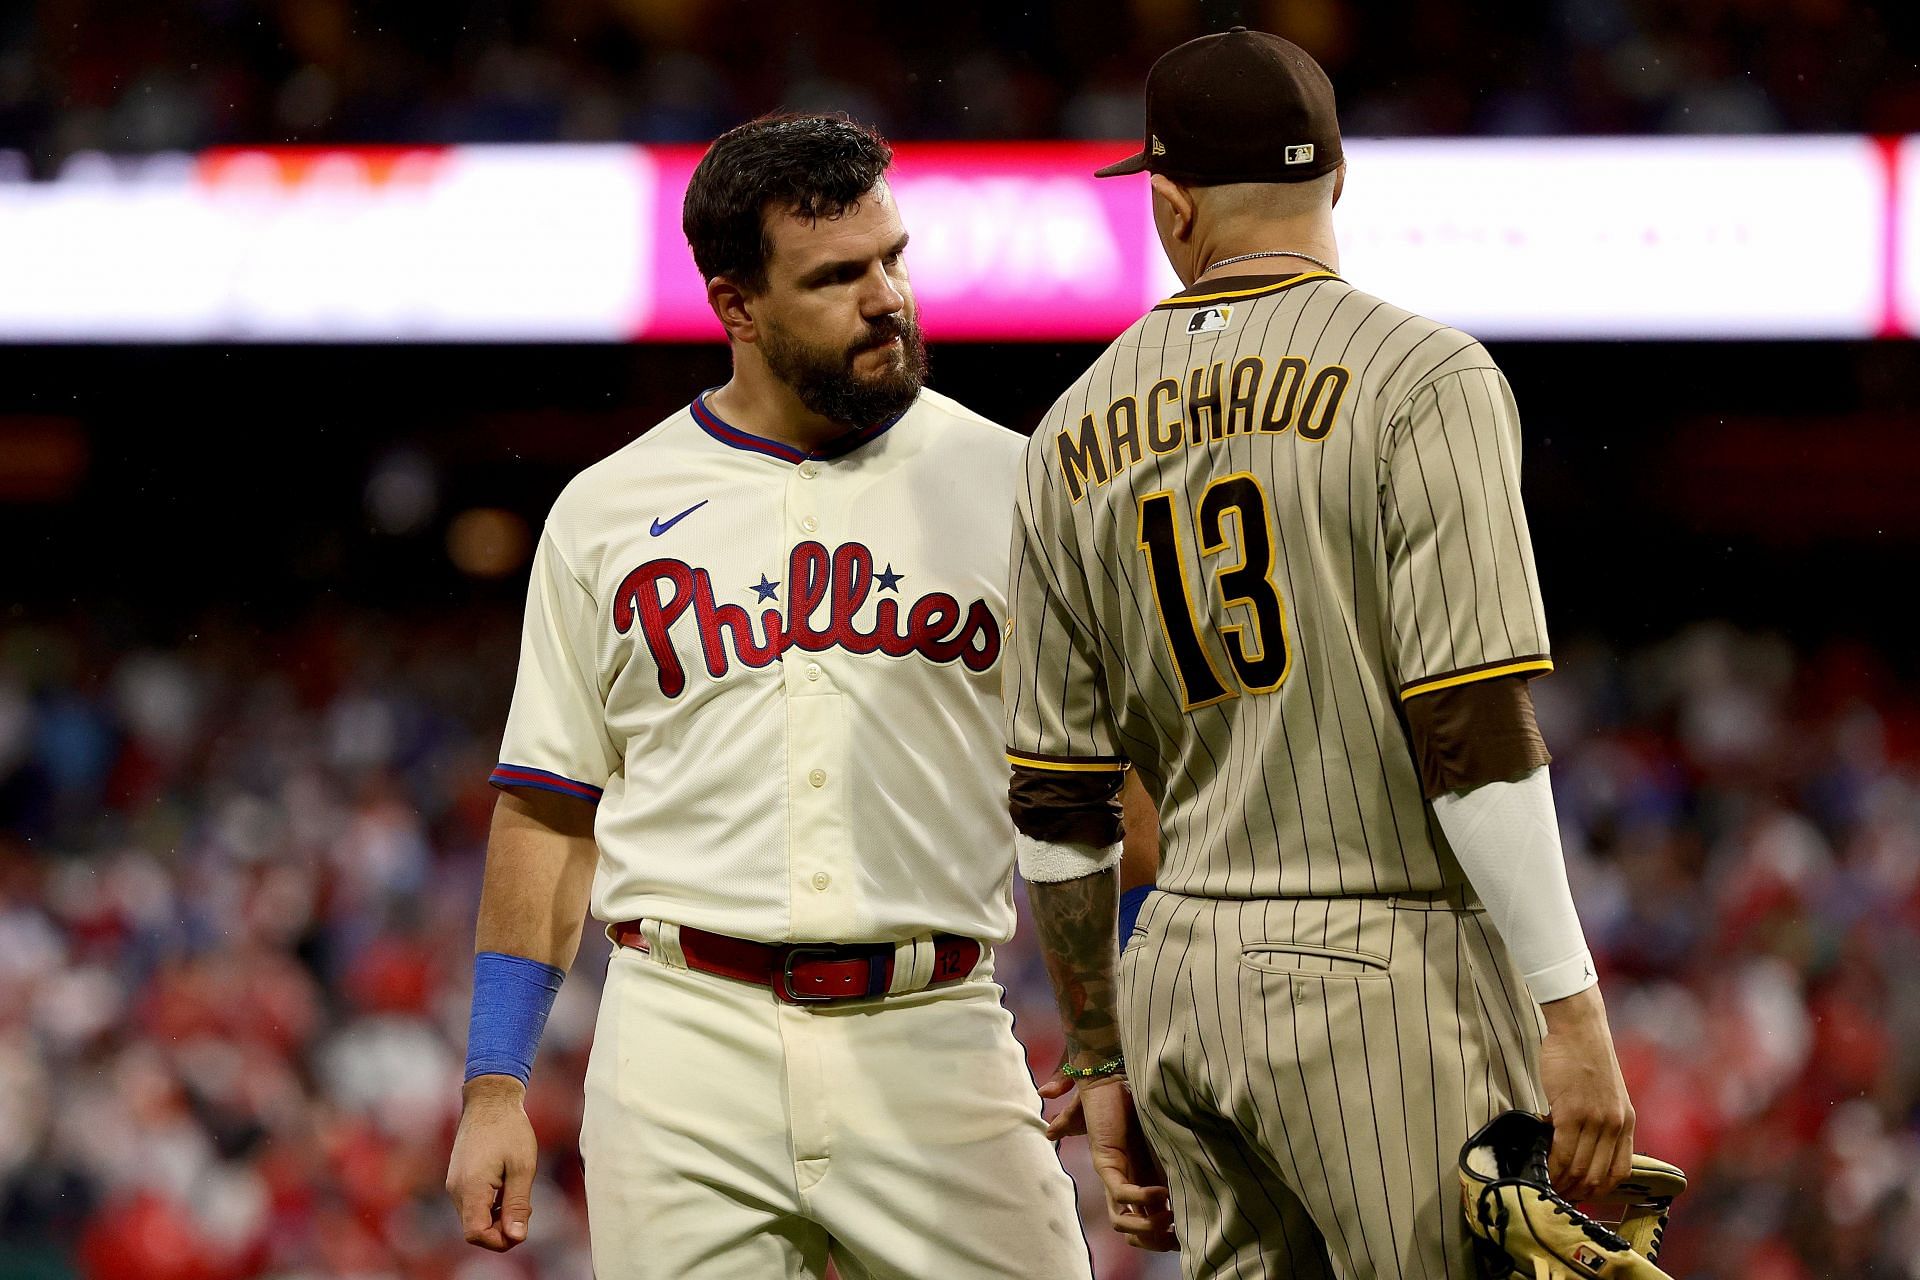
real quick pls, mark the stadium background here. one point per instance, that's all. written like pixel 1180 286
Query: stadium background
pixel 261 607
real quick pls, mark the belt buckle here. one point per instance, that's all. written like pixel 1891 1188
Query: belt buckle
pixel 794 953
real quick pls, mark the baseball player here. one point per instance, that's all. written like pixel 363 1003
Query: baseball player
pixel 1271 555
pixel 757 728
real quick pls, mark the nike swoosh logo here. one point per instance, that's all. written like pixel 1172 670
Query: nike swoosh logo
pixel 661 526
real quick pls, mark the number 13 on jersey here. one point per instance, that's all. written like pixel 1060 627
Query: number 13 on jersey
pixel 1258 649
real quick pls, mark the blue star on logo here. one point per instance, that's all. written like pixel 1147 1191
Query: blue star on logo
pixel 765 590
pixel 889 580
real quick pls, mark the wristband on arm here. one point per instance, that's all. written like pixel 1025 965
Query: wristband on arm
pixel 1051 861
pixel 512 996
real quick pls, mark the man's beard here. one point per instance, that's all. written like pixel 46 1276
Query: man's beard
pixel 826 383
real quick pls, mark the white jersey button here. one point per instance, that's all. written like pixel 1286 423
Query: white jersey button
pixel 809 524
pixel 808 470
pixel 818 777
pixel 821 880
pixel 813 671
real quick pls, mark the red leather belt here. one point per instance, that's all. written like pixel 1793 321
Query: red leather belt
pixel 808 972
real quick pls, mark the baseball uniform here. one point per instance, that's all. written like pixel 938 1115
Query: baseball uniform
pixel 777 675
pixel 1275 514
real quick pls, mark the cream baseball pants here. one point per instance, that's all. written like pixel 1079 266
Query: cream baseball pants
pixel 729 1136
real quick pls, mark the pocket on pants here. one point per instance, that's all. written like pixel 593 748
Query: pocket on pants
pixel 1306 960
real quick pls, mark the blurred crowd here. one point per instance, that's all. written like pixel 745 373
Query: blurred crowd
pixel 93 75
pixel 238 871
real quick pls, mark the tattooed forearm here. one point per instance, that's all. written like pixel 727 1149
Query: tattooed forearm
pixel 1075 921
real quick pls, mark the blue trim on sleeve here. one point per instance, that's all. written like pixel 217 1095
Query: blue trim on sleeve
pixel 507 776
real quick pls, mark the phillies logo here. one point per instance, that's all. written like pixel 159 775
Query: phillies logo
pixel 661 592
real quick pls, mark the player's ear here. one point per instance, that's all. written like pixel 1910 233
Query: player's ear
pixel 729 303
pixel 1178 205
pixel 1339 181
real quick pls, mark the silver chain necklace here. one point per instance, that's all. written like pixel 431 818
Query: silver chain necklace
pixel 1273 253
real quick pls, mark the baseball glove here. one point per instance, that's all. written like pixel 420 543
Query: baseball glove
pixel 1521 1226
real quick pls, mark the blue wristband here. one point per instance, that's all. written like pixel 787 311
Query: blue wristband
pixel 512 996
pixel 1130 909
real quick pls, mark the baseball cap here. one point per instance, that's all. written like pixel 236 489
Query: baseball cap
pixel 1237 106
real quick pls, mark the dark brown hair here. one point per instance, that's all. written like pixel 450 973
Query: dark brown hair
pixel 812 166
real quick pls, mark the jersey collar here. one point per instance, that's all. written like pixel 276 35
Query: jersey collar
pixel 734 438
pixel 1235 287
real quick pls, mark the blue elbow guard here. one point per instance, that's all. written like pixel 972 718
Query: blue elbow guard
pixel 1130 909
pixel 512 996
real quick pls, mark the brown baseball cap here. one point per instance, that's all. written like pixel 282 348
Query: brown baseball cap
pixel 1238 106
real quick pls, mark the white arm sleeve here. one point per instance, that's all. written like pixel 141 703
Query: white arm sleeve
pixel 1049 862
pixel 1508 842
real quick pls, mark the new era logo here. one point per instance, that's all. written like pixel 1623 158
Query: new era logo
pixel 1159 148
pixel 1300 153
pixel 1209 320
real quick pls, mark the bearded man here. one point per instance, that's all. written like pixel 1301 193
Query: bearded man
pixel 757 730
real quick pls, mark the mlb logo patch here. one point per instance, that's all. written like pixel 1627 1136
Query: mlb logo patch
pixel 1209 320
pixel 1300 153
pixel 1590 1258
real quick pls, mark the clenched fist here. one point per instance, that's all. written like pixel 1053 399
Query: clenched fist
pixel 490 1176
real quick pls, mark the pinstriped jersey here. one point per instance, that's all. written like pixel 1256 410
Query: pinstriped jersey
pixel 1269 513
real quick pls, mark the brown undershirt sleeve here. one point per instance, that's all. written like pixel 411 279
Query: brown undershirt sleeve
pixel 1067 807
pixel 1473 734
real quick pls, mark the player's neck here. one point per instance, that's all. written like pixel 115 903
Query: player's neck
pixel 1306 235
pixel 755 401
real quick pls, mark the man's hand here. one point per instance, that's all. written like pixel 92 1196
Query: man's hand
pixel 1587 1098
pixel 1067 1121
pixel 1075 921
pixel 490 1177
pixel 1138 1206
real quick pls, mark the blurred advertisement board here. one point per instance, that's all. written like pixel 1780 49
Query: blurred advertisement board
pixel 1010 241
pixel 369 245
pixel 1543 238
pixel 1623 237
pixel 1903 238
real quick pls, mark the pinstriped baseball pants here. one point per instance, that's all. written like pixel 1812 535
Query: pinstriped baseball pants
pixel 1307 1069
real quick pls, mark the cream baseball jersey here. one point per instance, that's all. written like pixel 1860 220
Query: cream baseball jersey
pixel 778 676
